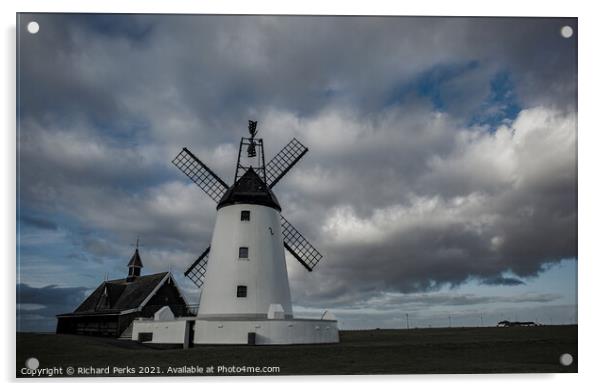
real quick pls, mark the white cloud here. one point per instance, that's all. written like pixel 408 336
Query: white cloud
pixel 477 209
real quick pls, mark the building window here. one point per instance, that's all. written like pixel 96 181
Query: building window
pixel 241 291
pixel 245 215
pixel 145 337
pixel 243 252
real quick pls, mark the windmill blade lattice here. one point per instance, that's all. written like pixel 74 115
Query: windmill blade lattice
pixel 200 174
pixel 298 246
pixel 284 161
pixel 196 272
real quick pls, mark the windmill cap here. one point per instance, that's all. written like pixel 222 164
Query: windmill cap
pixel 249 189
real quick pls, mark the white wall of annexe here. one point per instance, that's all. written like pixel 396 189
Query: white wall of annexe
pixel 235 332
pixel 268 332
pixel 164 332
pixel 263 273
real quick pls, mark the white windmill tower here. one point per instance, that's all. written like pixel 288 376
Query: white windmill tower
pixel 245 291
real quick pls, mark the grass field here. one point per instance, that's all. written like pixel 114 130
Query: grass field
pixel 415 351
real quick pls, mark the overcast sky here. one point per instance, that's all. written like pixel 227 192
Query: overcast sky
pixel 441 178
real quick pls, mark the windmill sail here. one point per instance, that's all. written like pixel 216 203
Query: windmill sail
pixel 196 271
pixel 284 161
pixel 200 174
pixel 298 246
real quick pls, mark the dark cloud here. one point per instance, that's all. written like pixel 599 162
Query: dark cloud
pixel 503 281
pixel 37 307
pixel 215 69
pixel 50 295
pixel 441 149
pixel 39 222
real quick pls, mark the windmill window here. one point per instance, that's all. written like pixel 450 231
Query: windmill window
pixel 245 215
pixel 243 252
pixel 241 291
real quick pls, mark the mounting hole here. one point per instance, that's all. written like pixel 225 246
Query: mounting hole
pixel 32 363
pixel 566 359
pixel 566 31
pixel 33 27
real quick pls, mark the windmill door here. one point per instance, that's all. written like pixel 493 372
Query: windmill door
pixel 189 335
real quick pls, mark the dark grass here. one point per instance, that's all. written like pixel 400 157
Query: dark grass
pixel 417 351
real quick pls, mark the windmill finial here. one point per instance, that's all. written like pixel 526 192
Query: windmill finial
pixel 253 128
pixel 251 148
pixel 137 241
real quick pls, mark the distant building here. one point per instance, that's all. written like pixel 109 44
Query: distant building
pixel 507 323
pixel 111 308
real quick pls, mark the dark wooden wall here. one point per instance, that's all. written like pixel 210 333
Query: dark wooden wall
pixel 115 325
pixel 166 295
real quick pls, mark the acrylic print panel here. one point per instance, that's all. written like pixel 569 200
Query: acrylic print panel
pixel 295 195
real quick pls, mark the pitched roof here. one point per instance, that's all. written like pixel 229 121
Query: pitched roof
pixel 120 295
pixel 249 189
pixel 135 260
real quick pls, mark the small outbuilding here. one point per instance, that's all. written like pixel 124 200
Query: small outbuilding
pixel 111 308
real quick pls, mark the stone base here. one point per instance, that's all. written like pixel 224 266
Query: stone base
pixel 236 331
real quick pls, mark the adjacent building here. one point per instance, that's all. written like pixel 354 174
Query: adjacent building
pixel 111 308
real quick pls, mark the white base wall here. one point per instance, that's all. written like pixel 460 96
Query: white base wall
pixel 235 332
pixel 268 332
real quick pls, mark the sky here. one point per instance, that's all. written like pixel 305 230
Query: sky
pixel 440 183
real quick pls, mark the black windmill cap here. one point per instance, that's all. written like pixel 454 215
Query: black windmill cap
pixel 249 189
pixel 135 261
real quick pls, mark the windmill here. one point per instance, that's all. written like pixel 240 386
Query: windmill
pixel 243 272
